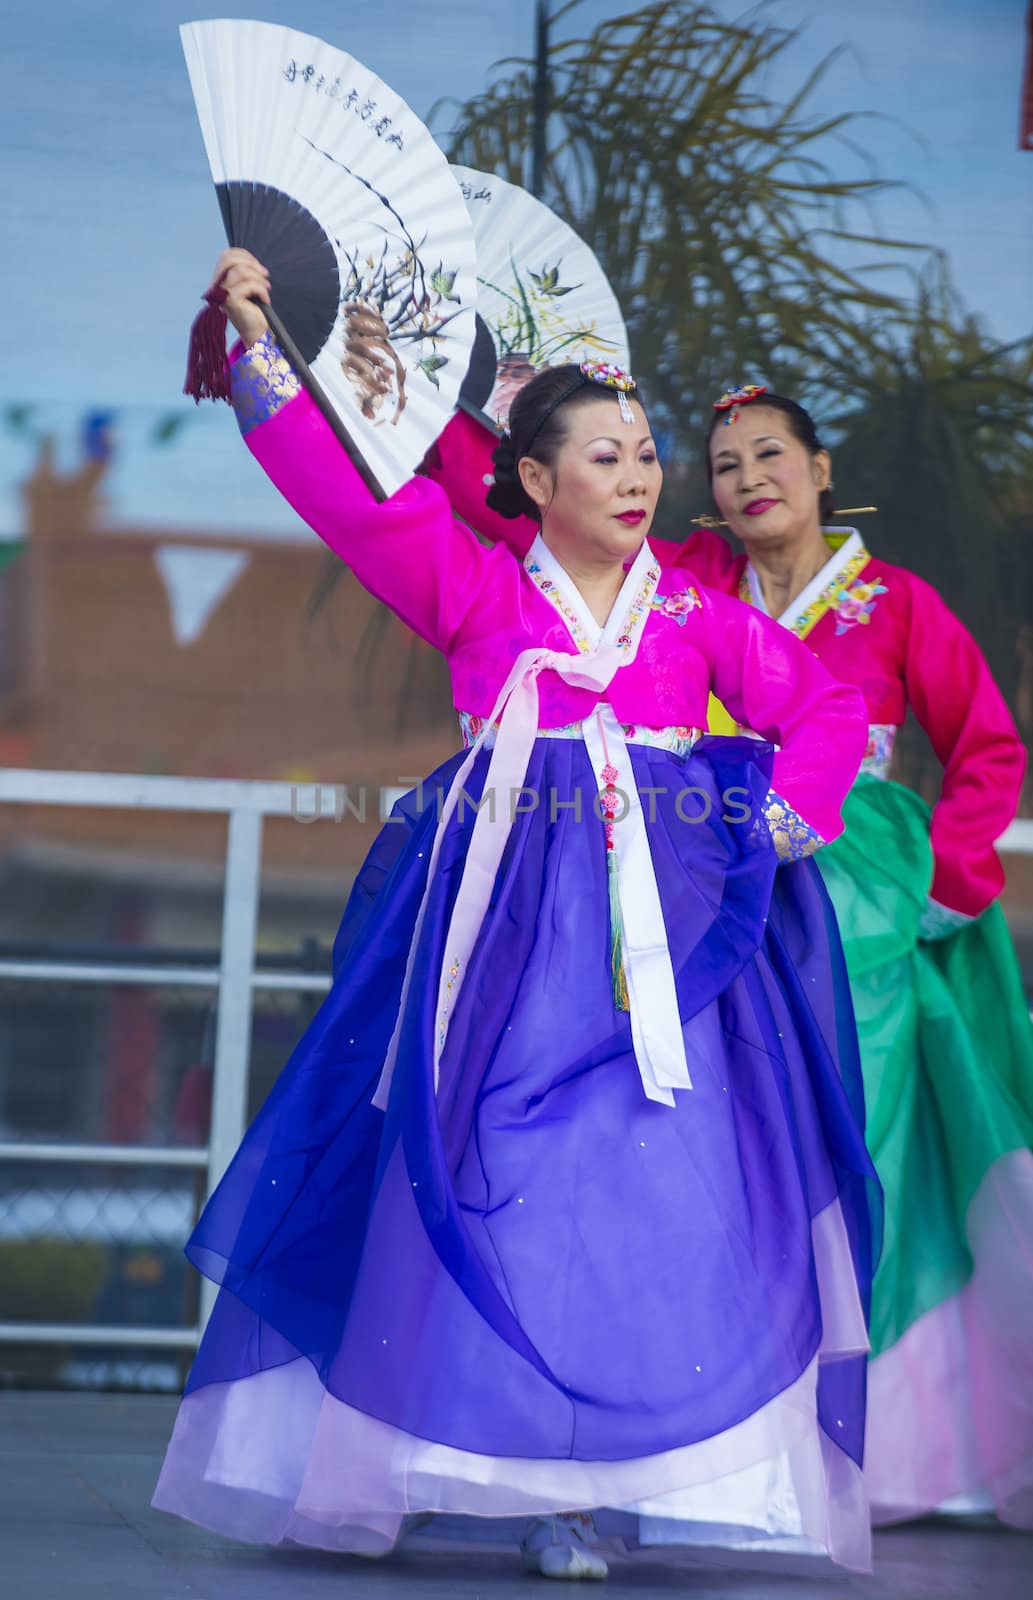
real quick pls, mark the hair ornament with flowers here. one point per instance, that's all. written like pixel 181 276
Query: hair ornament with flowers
pixel 737 396
pixel 611 377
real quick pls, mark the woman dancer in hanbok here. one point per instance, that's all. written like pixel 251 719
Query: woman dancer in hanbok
pixel 562 1203
pixel 946 1044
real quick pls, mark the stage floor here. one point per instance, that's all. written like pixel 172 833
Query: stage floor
pixel 77 1471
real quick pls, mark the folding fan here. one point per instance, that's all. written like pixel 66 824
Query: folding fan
pixel 326 176
pixel 542 297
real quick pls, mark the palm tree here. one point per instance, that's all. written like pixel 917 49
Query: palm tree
pixel 739 250
pixel 938 430
pixel 705 199
pixel 732 244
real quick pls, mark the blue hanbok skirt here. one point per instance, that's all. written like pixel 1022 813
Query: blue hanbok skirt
pixel 533 1289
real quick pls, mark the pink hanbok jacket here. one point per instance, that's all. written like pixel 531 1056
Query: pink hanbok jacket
pixel 672 639
pixel 873 625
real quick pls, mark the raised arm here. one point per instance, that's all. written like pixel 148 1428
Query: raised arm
pixel 772 683
pixel 971 730
pixel 409 551
pixel 461 464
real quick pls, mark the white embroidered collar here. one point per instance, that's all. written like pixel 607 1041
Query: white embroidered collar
pixel 847 549
pixel 629 609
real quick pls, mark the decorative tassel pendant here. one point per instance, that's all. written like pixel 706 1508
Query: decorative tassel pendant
pixel 617 975
pixel 208 370
pixel 610 801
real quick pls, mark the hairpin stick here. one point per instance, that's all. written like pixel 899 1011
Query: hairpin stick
pixel 847 511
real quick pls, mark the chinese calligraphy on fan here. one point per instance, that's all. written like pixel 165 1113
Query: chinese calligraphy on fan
pixel 365 107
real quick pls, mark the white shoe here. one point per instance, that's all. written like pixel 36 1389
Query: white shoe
pixel 557 1547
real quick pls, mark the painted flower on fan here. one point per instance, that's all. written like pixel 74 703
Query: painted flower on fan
pixel 430 366
pixel 531 322
pixel 388 302
pixel 547 282
pixel 533 327
pixel 443 283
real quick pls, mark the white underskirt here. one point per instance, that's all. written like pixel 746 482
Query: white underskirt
pixel 275 1457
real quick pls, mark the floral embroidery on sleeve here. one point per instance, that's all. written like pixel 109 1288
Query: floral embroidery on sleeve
pixel 792 837
pixel 262 383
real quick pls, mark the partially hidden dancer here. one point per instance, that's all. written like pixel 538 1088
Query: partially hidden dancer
pixel 561 1210
pixel 945 1035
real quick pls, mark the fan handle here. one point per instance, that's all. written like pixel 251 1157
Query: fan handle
pixel 312 384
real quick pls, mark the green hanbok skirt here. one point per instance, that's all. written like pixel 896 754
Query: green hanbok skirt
pixel 947 1056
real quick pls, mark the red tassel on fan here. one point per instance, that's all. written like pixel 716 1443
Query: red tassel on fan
pixel 208 370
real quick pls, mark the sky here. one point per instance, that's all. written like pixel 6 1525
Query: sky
pixel 111 227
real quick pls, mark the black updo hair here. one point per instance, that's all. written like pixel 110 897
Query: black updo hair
pixel 537 428
pixel 801 426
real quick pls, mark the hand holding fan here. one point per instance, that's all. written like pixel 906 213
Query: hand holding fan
pixel 542 297
pixel 326 176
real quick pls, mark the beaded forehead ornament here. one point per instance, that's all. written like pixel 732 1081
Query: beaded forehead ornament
pixel 615 378
pixel 735 397
pixel 601 372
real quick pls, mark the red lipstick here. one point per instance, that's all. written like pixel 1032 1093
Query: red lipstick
pixel 632 518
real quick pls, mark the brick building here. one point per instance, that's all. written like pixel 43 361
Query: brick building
pixel 148 650
pixel 152 651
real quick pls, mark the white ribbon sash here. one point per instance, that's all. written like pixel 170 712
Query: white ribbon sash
pixel 652 996
pixel 653 1002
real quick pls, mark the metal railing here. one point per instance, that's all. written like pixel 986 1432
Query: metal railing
pixel 234 981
